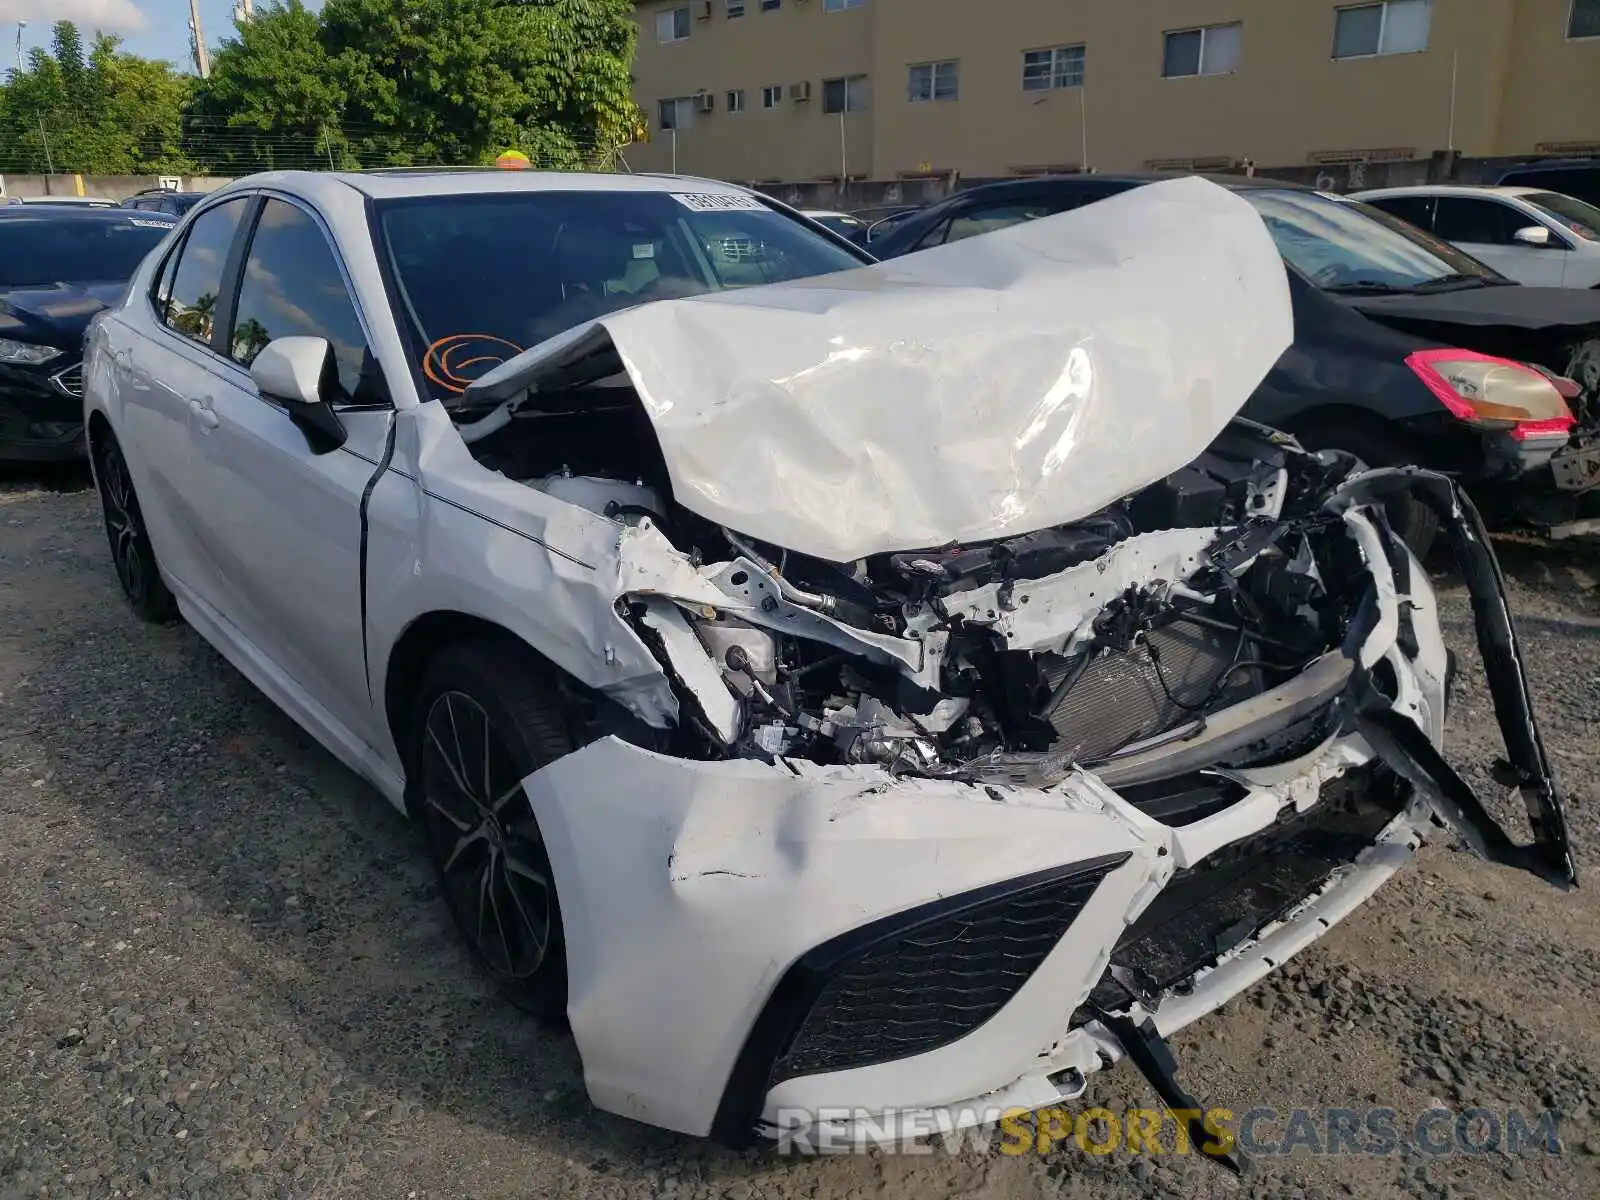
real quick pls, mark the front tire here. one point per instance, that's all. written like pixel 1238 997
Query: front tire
pixel 486 717
pixel 132 554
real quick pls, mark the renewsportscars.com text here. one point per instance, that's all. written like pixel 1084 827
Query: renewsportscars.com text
pixel 1257 1132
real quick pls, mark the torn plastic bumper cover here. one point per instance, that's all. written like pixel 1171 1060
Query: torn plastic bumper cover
pixel 1403 745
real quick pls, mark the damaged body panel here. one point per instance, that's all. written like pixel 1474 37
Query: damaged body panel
pixel 907 689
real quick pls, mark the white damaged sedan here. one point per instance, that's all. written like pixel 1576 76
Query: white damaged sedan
pixel 899 690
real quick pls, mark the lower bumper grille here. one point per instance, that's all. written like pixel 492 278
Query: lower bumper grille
pixel 1207 911
pixel 910 984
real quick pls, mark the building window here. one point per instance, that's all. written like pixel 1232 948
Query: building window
pixel 1394 27
pixel 1058 67
pixel 676 113
pixel 934 81
pixel 844 95
pixel 770 5
pixel 1584 19
pixel 1213 50
pixel 772 95
pixel 841 5
pixel 736 100
pixel 672 25
pixel 735 8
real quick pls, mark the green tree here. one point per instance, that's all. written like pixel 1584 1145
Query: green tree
pixel 274 99
pixel 399 82
pixel 104 112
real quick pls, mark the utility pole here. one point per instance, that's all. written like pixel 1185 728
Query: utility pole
pixel 243 11
pixel 202 61
pixel 21 25
pixel 49 163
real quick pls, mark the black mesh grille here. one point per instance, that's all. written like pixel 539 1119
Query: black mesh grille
pixel 935 980
pixel 1204 912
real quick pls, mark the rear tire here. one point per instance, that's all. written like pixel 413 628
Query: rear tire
pixel 486 717
pixel 1416 524
pixel 132 555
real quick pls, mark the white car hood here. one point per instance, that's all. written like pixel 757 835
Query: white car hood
pixel 998 385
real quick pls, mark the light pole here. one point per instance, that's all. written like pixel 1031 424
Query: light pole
pixel 21 25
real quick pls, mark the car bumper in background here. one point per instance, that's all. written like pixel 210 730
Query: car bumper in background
pixel 41 418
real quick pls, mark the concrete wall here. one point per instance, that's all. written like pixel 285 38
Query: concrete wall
pixel 108 187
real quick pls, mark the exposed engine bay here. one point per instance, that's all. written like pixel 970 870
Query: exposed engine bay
pixel 1106 643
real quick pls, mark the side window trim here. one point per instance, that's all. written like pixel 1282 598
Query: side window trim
pixel 174 257
pixel 169 263
pixel 232 272
pixel 236 282
pixel 338 260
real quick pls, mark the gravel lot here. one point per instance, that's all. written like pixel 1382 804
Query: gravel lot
pixel 224 971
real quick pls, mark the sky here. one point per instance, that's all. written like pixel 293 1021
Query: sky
pixel 152 28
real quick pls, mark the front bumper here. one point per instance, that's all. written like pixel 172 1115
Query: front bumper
pixel 749 941
pixel 41 413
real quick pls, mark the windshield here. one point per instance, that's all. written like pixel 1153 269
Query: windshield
pixel 482 278
pixel 1571 214
pixel 39 250
pixel 1345 244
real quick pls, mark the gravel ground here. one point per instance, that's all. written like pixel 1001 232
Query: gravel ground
pixel 224 970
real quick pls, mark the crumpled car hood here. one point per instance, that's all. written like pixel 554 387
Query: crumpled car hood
pixel 994 386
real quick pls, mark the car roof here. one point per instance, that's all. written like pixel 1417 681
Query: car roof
pixel 1448 189
pixel 404 182
pixel 68 201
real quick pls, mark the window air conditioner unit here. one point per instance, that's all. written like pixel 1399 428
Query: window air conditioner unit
pixel 704 102
pixel 799 93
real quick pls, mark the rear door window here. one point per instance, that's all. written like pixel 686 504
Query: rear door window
pixel 191 301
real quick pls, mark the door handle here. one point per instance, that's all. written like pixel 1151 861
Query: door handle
pixel 206 414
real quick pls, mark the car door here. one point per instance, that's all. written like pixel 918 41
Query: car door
pixel 161 375
pixel 280 518
pixel 1486 229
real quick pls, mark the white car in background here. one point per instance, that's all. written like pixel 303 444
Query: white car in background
pixel 904 687
pixel 842 223
pixel 1536 237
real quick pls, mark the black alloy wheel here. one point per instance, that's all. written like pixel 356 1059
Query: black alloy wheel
pixel 482 727
pixel 131 552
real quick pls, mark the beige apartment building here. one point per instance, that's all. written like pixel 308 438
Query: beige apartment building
pixel 767 90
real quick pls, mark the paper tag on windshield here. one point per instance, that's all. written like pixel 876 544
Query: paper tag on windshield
pixel 717 202
pixel 644 249
pixel 152 224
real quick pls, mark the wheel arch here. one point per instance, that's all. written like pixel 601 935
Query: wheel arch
pixel 418 644
pixel 96 430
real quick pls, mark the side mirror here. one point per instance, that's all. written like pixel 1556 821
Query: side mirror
pixel 1533 235
pixel 299 373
